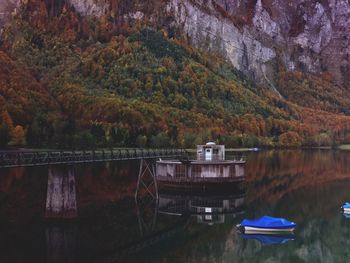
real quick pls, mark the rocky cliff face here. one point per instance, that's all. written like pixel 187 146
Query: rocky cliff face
pixel 258 37
pixel 309 36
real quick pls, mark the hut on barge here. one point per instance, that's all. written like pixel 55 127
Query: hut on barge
pixel 209 171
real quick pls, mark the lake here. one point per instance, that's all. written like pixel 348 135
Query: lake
pixel 305 186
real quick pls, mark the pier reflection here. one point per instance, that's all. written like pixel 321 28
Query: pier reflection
pixel 61 242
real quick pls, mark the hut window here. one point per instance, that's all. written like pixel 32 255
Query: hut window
pixel 215 151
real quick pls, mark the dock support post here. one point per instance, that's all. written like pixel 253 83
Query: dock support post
pixel 155 181
pixel 146 179
pixel 61 200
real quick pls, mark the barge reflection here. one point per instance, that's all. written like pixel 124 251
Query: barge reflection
pixel 207 209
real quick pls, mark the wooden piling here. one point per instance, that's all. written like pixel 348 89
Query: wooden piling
pixel 61 200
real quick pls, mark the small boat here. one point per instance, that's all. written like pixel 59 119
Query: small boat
pixel 269 239
pixel 266 225
pixel 346 208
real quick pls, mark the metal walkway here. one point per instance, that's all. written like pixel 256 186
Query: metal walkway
pixel 36 158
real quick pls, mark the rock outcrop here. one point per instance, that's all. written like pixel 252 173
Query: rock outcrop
pixel 259 35
pixel 256 36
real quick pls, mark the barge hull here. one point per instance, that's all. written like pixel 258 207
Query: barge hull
pixel 201 184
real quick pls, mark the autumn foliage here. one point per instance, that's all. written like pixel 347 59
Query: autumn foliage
pixel 81 82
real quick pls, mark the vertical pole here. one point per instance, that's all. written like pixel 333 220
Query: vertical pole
pixel 18 158
pixel 2 159
pixel 154 178
pixel 139 219
pixel 155 213
pixel 139 179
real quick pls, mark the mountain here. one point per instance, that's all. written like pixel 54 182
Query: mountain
pixel 254 35
pixel 162 73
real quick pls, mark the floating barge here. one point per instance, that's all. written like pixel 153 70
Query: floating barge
pixel 209 171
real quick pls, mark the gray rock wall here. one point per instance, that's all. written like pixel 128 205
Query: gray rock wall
pixel 253 35
pixel 302 35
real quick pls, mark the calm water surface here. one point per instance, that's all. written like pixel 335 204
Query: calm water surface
pixel 307 187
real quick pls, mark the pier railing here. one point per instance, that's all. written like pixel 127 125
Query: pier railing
pixel 228 157
pixel 236 158
pixel 35 158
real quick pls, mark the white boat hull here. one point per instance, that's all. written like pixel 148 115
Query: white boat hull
pixel 258 230
pixel 346 210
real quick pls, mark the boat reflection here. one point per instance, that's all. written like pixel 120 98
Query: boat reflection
pixel 207 209
pixel 346 215
pixel 269 239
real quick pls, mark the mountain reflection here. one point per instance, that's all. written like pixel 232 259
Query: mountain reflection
pixel 272 174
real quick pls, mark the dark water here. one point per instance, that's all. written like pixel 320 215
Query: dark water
pixel 307 187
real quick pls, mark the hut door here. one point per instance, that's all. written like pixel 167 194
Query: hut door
pixel 208 154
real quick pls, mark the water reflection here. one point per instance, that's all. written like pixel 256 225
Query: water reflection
pixel 207 209
pixel 322 233
pixel 269 239
pixel 61 242
pixel 307 187
pixel 346 216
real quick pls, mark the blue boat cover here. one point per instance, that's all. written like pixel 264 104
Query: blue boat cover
pixel 346 205
pixel 268 222
pixel 269 239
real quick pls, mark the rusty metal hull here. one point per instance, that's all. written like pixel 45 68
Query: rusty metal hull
pixel 202 175
pixel 201 184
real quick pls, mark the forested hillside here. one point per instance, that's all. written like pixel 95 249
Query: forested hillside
pixel 74 81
